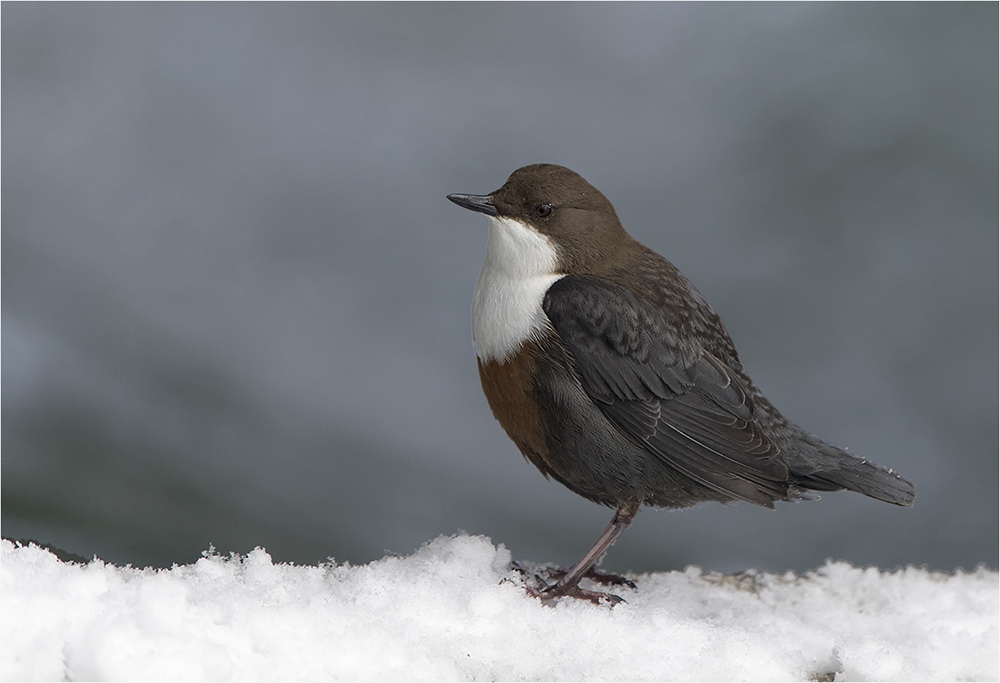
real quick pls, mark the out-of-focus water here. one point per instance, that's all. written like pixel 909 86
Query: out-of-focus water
pixel 235 301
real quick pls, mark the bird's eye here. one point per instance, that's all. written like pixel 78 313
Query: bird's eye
pixel 543 210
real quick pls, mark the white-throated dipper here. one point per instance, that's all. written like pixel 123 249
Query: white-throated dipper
pixel 614 376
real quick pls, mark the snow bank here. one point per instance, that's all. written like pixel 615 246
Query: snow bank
pixel 454 610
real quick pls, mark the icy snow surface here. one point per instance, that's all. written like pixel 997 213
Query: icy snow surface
pixel 454 610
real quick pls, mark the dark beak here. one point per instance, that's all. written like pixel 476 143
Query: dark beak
pixel 475 202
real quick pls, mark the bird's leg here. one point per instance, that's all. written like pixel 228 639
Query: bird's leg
pixel 569 585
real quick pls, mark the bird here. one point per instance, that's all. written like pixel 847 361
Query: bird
pixel 615 377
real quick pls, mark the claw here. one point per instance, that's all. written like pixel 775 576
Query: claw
pixel 595 575
pixel 548 593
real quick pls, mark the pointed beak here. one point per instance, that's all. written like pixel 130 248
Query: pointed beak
pixel 474 202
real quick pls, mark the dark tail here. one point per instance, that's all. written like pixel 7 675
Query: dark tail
pixel 816 465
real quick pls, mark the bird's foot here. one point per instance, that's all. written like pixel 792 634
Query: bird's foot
pixel 556 591
pixel 547 593
pixel 595 575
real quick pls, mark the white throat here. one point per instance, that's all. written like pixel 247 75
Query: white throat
pixel 519 268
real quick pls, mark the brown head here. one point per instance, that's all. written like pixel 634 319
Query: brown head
pixel 554 201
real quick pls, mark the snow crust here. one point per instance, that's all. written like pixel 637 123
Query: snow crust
pixel 455 610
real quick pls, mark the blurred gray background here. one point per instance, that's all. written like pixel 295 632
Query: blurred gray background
pixel 235 302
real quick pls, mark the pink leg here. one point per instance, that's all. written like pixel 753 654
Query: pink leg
pixel 568 585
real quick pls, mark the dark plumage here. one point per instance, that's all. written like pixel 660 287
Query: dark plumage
pixel 614 376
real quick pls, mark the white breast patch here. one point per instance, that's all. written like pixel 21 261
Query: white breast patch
pixel 519 267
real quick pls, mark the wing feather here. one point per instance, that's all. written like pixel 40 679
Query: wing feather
pixel 678 401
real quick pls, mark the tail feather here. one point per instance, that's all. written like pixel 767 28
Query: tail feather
pixel 816 465
pixel 864 477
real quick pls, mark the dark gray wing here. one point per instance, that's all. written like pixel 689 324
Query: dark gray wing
pixel 678 401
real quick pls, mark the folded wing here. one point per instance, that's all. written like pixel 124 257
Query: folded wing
pixel 678 402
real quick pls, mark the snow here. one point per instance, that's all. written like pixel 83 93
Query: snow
pixel 455 610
